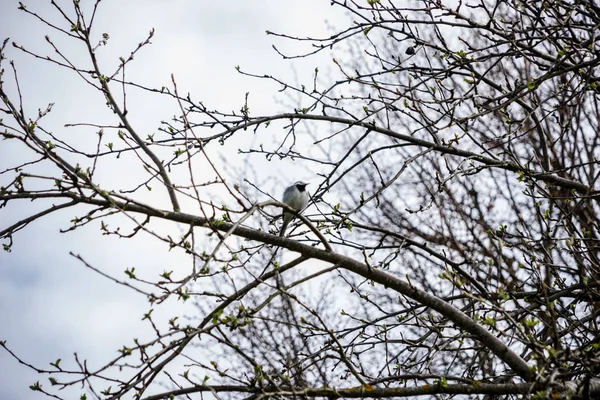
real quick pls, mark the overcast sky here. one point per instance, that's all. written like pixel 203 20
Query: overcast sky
pixel 50 305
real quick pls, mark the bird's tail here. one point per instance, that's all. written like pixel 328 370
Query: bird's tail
pixel 283 227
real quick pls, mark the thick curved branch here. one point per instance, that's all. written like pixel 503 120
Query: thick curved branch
pixel 547 177
pixel 460 319
pixel 367 391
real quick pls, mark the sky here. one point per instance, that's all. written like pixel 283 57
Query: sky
pixel 50 304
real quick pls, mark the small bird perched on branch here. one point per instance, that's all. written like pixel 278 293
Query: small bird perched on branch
pixel 296 197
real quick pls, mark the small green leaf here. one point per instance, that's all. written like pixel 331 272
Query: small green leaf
pixel 178 152
pixel 216 316
pixel 147 315
pixel 130 273
pixel 348 225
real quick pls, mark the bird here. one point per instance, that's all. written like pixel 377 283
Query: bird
pixel 296 197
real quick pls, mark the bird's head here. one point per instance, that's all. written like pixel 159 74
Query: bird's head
pixel 301 186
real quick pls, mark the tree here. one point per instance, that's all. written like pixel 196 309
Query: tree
pixel 452 242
